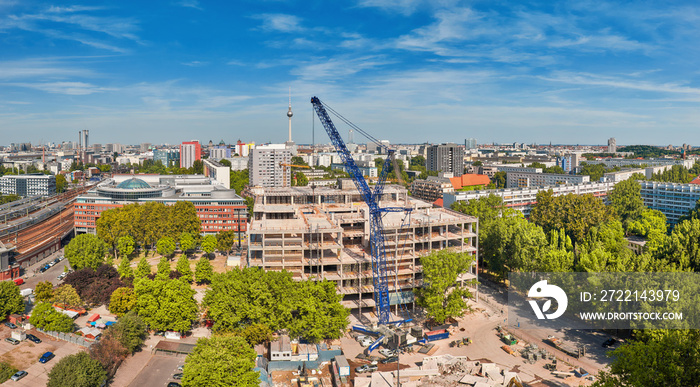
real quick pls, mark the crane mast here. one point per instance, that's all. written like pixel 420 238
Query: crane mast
pixel 377 243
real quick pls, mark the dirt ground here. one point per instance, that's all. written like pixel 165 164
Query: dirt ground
pixel 27 353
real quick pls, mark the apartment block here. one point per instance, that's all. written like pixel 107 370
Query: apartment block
pixel 432 188
pixel 28 185
pixel 266 166
pixel 523 199
pixel 672 199
pixel 528 179
pixel 446 158
pixel 190 151
pixel 323 233
pixel 218 172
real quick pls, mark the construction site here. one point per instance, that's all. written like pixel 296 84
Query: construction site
pixel 324 233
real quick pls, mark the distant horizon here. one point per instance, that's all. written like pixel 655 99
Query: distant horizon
pixel 408 70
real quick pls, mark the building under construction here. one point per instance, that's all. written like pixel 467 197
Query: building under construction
pixel 323 233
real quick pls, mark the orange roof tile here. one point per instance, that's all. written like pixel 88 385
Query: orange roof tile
pixel 696 180
pixel 438 203
pixel 469 179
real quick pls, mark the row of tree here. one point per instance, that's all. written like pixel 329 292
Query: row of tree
pixel 239 299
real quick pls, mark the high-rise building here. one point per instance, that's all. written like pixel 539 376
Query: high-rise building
pixel 145 146
pixel 218 172
pixel 612 145
pixel 266 166
pixel 446 158
pixel 190 151
pixel 470 143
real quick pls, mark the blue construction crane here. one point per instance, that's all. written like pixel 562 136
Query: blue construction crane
pixel 378 253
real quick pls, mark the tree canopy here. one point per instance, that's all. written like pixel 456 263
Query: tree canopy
pixel 44 316
pixel 240 298
pixel 626 199
pixel 203 271
pixel 221 361
pixel 78 370
pixel 166 304
pixel 122 301
pixel 441 295
pixel 10 299
pixel 85 250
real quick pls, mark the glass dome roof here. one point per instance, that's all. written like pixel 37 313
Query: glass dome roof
pixel 133 183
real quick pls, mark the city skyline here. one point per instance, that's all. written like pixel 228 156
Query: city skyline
pixel 574 72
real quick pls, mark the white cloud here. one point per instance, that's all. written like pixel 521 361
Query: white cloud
pixel 68 88
pixel 195 63
pixel 619 83
pixel 190 4
pixel 280 22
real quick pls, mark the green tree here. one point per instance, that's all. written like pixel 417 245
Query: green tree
pixel 301 179
pixel 125 245
pixel 209 244
pixel 669 358
pixel 6 371
pixel 143 269
pixel 441 295
pixel 318 312
pixel 225 163
pixel 477 163
pixel 78 370
pixel 60 183
pixel 298 160
pixel 124 269
pixel 187 242
pixel 225 240
pixel 677 174
pixel 43 292
pixel 488 210
pixel 67 295
pixel 626 199
pixel 122 301
pixel 255 333
pixel 44 316
pixel 85 250
pixel 239 180
pixel 203 272
pixel 10 299
pixel 649 223
pixel 683 245
pixel 221 361
pixel 499 179
pixel 183 219
pixel 165 246
pixel 197 167
pixel 163 269
pixel 130 331
pixel 166 304
pixel 577 214
pixel 111 226
pixel 183 267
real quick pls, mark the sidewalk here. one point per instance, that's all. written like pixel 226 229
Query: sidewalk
pixel 133 365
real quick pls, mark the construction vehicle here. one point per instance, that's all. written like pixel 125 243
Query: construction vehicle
pixel 371 198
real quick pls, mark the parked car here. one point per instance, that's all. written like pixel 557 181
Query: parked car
pixel 12 340
pixel 33 338
pixel 366 368
pixel 174 384
pixel 46 357
pixel 18 375
pixel 366 342
pixel 180 368
pixel 177 376
pixel 609 343
pixel 10 325
pixel 392 359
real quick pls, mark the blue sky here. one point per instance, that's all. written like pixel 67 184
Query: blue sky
pixel 408 71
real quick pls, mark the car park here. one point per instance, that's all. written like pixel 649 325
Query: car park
pixel 33 338
pixel 46 357
pixel 18 375
pixel 10 325
pixel 366 368
pixel 12 340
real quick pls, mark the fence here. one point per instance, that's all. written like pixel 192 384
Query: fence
pixel 69 337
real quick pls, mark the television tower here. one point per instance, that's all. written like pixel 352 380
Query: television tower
pixel 290 114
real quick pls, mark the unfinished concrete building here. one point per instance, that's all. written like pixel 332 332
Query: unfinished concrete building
pixel 323 233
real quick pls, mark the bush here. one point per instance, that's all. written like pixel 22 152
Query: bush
pixel 6 371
